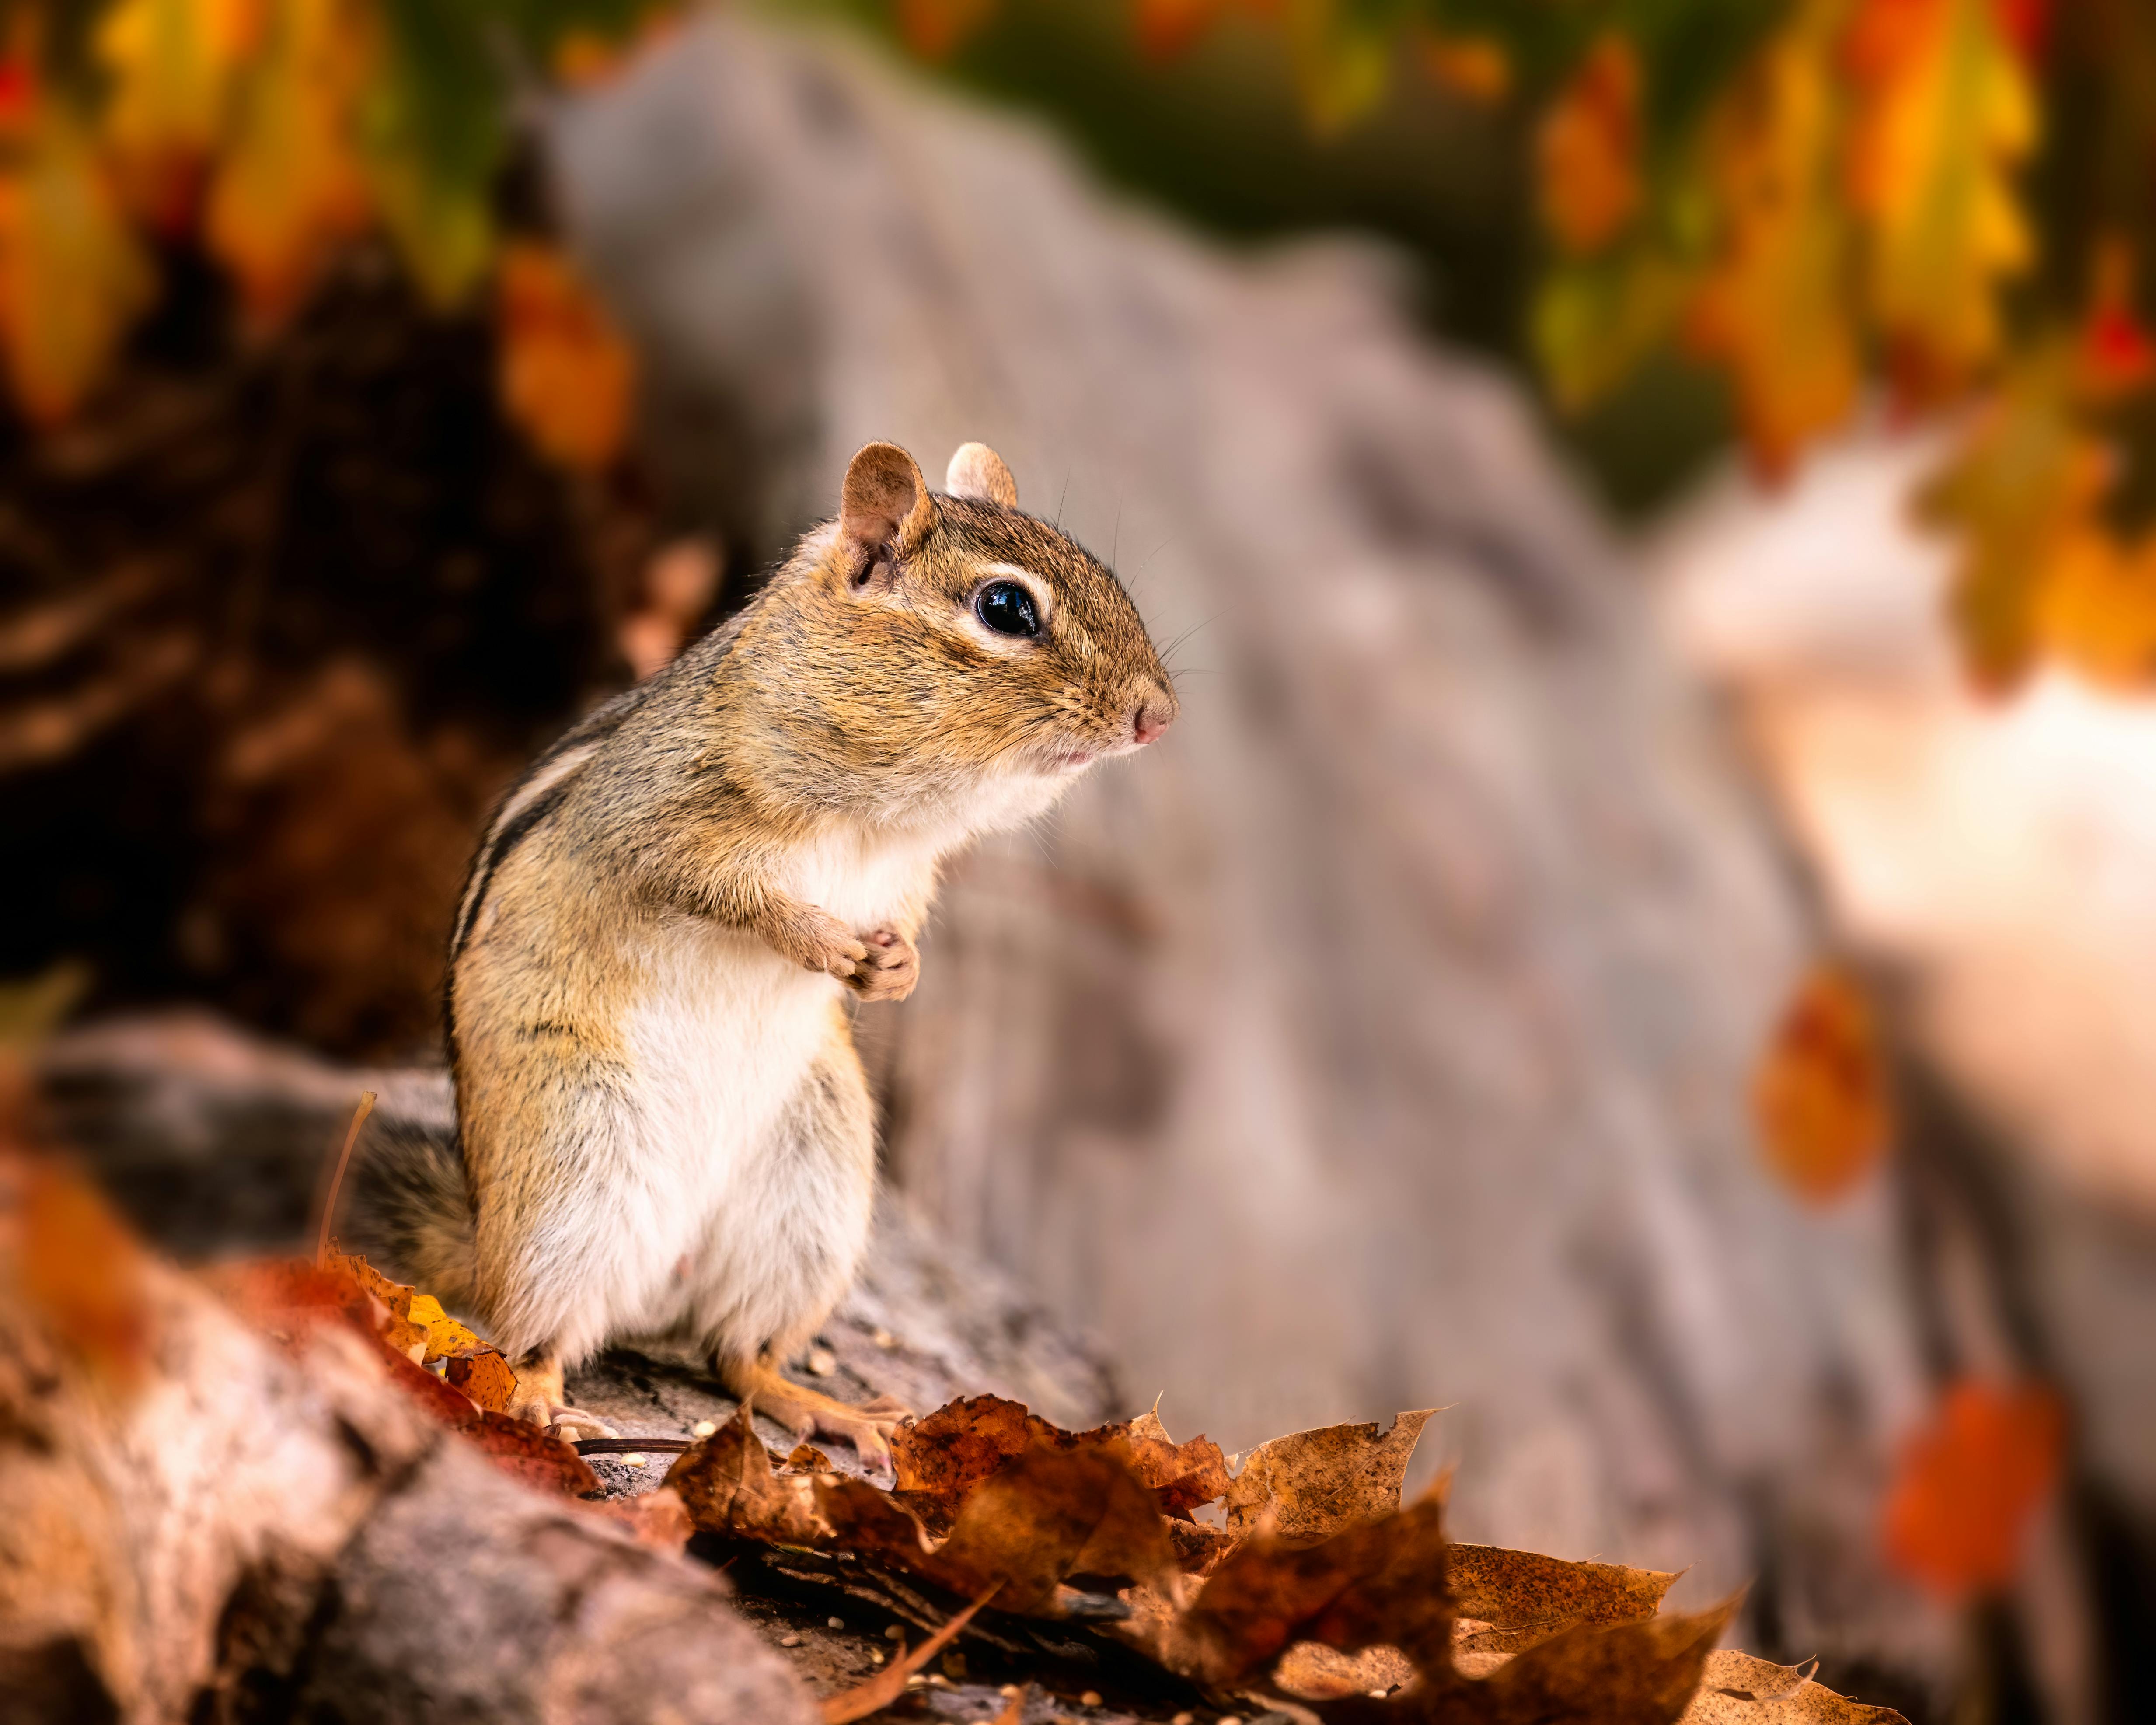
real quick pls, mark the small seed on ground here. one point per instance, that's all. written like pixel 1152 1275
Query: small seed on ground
pixel 704 1428
pixel 632 1460
pixel 883 1337
pixel 1183 1719
pixel 1090 1698
pixel 1009 1691
pixel 789 1640
pixel 834 1622
pixel 894 1633
pixel 875 1657
pixel 821 1362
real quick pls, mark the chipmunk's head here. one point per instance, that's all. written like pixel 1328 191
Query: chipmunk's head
pixel 951 648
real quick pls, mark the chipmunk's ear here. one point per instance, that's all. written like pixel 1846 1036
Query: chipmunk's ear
pixel 977 473
pixel 884 510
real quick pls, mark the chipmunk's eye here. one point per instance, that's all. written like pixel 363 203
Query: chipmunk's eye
pixel 1008 608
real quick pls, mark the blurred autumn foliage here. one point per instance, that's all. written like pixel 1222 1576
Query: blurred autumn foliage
pixel 272 133
pixel 1942 205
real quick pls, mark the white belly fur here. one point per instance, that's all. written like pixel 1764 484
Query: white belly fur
pixel 721 1039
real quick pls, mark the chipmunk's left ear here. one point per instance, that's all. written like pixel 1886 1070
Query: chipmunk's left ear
pixel 884 510
pixel 977 473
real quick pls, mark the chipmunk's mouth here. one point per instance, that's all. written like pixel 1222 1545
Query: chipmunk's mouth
pixel 1069 759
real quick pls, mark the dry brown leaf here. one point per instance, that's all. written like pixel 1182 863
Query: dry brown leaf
pixel 1380 1583
pixel 1738 1689
pixel 1047 1518
pixel 1181 1475
pixel 1311 1484
pixel 1507 1600
pixel 942 1459
pixel 1640 1673
pixel 657 1519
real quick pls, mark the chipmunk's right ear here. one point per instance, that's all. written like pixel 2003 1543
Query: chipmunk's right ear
pixel 884 510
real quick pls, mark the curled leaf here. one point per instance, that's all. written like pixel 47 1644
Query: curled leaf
pixel 1311 1484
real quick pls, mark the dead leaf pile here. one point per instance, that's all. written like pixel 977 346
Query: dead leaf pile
pixel 1305 1580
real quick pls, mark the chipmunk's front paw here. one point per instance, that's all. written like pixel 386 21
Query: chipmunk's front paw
pixel 888 969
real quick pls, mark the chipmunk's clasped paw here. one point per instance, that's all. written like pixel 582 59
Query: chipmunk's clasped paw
pixel 888 968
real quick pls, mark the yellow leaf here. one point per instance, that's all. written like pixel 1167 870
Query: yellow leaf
pixel 2024 482
pixel 2096 608
pixel 1774 306
pixel 1587 152
pixel 171 63
pixel 1820 1096
pixel 567 376
pixel 289 187
pixel 1944 111
pixel 1343 62
pixel 72 274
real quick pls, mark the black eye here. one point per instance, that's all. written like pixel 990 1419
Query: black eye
pixel 1007 608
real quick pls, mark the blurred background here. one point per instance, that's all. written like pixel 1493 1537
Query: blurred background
pixel 1642 935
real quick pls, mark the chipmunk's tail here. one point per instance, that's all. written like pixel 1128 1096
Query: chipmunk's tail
pixel 407 1210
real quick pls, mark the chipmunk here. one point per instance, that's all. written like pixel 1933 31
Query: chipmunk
pixel 664 1126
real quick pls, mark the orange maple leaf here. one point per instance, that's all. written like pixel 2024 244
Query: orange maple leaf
pixel 1774 306
pixel 567 376
pixel 1587 152
pixel 1944 111
pixel 289 188
pixel 1820 1097
pixel 1958 1509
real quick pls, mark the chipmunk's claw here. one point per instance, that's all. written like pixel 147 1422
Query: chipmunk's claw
pixel 890 966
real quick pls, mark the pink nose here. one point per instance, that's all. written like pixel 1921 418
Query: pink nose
pixel 1152 718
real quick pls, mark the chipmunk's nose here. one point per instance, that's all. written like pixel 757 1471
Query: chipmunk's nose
pixel 1155 711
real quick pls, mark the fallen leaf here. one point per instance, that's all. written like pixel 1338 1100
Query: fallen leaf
pixel 568 376
pixel 1640 1673
pixel 483 1375
pixel 1507 1600
pixel 527 1453
pixel 1311 1484
pixel 1586 150
pixel 1772 307
pixel 1820 1097
pixel 1047 1517
pixel 939 1461
pixel 1944 114
pixel 2117 354
pixel 1736 1689
pixel 1967 1486
pixel 1379 1583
